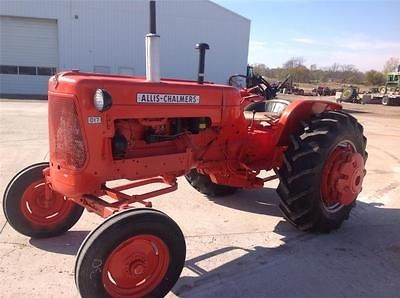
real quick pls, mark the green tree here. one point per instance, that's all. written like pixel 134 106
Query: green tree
pixel 260 69
pixel 374 77
pixel 300 74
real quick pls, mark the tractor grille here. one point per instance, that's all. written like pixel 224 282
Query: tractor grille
pixel 67 147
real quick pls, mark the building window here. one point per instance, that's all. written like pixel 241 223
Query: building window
pixel 45 71
pixel 101 69
pixel 28 70
pixel 8 69
pixel 126 70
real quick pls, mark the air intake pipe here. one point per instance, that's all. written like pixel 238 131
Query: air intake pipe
pixel 202 47
pixel 153 48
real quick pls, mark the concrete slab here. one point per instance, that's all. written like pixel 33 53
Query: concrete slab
pixel 237 246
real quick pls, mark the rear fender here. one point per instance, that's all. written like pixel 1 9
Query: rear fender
pixel 297 112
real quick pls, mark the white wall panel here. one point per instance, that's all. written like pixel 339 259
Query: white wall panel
pixel 28 42
pixel 111 34
pixel 32 85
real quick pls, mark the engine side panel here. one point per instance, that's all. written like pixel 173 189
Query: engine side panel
pixel 158 136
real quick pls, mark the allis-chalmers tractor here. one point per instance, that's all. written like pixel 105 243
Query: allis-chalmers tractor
pixel 105 128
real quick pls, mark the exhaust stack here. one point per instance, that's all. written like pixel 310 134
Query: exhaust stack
pixel 202 47
pixel 153 48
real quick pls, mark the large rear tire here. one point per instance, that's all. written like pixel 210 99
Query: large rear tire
pixel 135 253
pixel 29 212
pixel 348 94
pixel 322 172
pixel 203 184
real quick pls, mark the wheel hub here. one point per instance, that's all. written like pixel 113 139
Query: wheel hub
pixel 43 207
pixel 342 176
pixel 137 269
pixel 136 266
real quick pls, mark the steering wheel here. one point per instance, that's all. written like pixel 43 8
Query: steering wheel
pixel 232 81
pixel 263 87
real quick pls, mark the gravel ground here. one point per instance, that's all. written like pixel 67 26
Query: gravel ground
pixel 237 246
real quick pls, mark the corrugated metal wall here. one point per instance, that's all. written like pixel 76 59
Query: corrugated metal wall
pixel 28 51
pixel 109 35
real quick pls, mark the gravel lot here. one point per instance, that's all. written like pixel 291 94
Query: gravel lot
pixel 238 246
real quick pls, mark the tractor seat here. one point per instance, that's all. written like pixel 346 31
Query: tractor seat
pixel 271 109
pixel 248 115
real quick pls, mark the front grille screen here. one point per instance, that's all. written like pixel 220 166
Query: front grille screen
pixel 67 147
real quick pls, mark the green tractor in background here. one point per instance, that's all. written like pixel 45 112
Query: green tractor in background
pixel 348 94
pixel 391 90
pixel 388 95
pixel 393 81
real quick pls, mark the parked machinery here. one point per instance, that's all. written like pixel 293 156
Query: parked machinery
pixel 388 95
pixel 350 94
pixel 103 128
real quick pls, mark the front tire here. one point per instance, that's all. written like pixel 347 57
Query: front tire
pixel 203 184
pixel 135 253
pixel 28 210
pixel 322 172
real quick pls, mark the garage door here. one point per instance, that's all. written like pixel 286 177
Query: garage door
pixel 28 54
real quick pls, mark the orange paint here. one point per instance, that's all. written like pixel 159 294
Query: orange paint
pixel 212 134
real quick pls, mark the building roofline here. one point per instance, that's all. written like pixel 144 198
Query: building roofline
pixel 228 10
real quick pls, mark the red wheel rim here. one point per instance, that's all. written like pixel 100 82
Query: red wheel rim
pixel 136 267
pixel 342 177
pixel 43 207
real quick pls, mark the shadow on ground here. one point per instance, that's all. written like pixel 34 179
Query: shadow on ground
pixel 362 258
pixel 67 244
pixel 350 111
pixel 258 201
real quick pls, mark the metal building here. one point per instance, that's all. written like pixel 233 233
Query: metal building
pixel 41 37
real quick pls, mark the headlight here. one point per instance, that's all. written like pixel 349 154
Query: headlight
pixel 102 100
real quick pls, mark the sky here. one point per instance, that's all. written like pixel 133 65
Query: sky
pixel 363 33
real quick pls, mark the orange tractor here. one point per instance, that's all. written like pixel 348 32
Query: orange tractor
pixel 105 128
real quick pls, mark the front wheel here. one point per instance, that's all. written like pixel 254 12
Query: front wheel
pixel 135 253
pixel 33 209
pixel 322 172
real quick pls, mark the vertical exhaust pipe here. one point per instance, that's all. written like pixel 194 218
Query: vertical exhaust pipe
pixel 153 48
pixel 202 47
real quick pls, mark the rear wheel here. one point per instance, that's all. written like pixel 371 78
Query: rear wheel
pixel 322 172
pixel 33 209
pixel 203 184
pixel 348 94
pixel 135 253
